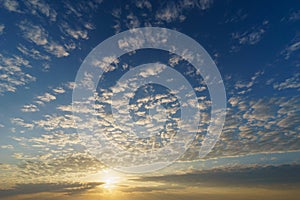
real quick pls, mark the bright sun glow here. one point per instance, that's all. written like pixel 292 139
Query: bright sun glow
pixel 110 179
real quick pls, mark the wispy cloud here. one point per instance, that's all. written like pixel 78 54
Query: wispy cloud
pixel 34 33
pixel 290 83
pixel 245 87
pixel 267 177
pixel 32 53
pixel 47 97
pixel 2 27
pixel 205 4
pixel 38 35
pixel 21 122
pixel 29 108
pixel 11 5
pixel 37 7
pixel 76 33
pixel 169 13
pixel 291 49
pixel 70 188
pixel 249 37
pixel 295 16
pixel 13 74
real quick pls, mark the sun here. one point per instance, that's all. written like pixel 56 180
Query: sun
pixel 110 179
pixel 109 182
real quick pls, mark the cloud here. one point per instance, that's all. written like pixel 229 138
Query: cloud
pixel 32 53
pixel 172 11
pixel 9 146
pixel 21 122
pixel 59 90
pixel 70 85
pixel 11 5
pixel 56 49
pixel 260 110
pixel 58 138
pixel 1 29
pixel 164 13
pixel 283 176
pixel 245 87
pixel 143 4
pixel 47 97
pixel 37 7
pixel 70 188
pixel 169 13
pixel 153 71
pixel 54 122
pixel 34 33
pixel 249 38
pixel 61 167
pixel 75 33
pixel 254 125
pixel 289 83
pixel 29 108
pixel 205 4
pixel 236 16
pixel 12 73
pixel 294 16
pixel 291 49
pixel 38 35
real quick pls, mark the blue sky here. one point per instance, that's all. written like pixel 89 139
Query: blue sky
pixel 255 45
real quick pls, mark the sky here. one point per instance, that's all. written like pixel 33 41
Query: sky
pixel 51 150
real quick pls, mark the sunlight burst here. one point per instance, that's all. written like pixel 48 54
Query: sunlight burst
pixel 110 179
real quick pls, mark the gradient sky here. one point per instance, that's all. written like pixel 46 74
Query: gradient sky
pixel 255 45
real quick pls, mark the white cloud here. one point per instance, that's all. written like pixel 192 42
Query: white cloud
pixel 55 122
pixel 245 87
pixel 106 63
pixel 11 5
pixel 261 110
pixel 295 16
pixel 1 29
pixel 75 33
pixel 32 53
pixel 291 49
pixel 169 13
pixel 58 138
pixel 234 101
pixel 152 71
pixel 132 21
pixel 290 83
pixel 175 11
pixel 47 97
pixel 56 49
pixel 34 33
pixel 143 4
pixel 21 122
pixel 59 90
pixel 70 85
pixel 290 121
pixel 29 108
pixel 205 4
pixel 9 146
pixel 12 74
pixel 174 60
pixel 37 7
pixel 38 35
pixel 249 38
